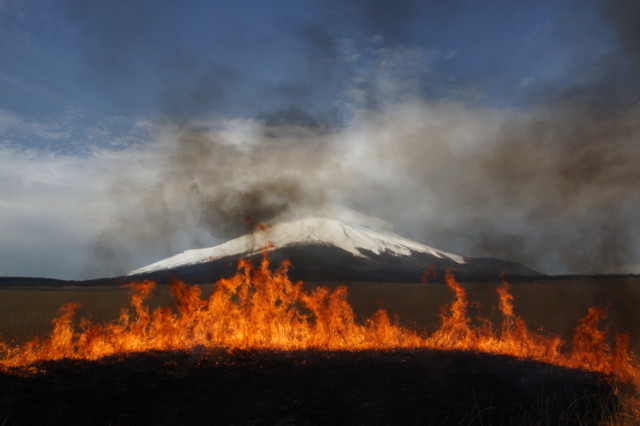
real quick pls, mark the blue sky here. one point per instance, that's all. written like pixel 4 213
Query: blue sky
pixel 88 84
pixel 139 59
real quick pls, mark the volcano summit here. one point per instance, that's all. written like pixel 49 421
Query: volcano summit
pixel 329 250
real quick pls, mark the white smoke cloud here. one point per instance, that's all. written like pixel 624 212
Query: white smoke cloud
pixel 553 189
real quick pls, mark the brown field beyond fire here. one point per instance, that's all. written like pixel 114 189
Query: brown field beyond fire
pixel 551 305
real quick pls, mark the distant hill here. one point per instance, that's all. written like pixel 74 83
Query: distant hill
pixel 52 282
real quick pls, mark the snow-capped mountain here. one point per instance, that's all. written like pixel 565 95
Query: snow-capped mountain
pixel 328 249
pixel 360 241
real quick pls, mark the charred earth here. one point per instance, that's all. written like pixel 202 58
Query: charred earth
pixel 307 387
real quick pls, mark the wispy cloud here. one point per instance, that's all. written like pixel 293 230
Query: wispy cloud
pixel 71 132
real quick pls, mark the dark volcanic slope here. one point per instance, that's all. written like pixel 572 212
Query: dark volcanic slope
pixel 403 387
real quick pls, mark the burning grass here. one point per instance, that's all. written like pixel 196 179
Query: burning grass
pixel 260 309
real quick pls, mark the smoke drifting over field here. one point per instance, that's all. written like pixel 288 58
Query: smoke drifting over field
pixel 552 189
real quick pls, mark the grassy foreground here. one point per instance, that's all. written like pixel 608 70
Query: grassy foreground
pixel 308 387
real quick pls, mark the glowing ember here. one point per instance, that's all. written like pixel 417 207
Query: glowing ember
pixel 258 225
pixel 260 308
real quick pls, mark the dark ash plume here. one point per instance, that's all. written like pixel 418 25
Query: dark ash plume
pixel 211 181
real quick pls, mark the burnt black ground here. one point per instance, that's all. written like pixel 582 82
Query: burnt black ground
pixel 306 387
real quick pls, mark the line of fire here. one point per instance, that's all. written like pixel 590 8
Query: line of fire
pixel 260 308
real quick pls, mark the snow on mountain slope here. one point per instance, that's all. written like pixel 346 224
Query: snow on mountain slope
pixel 355 239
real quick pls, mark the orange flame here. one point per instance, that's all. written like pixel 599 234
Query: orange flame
pixel 258 225
pixel 260 308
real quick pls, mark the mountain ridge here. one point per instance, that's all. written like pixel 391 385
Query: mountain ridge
pixel 327 249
